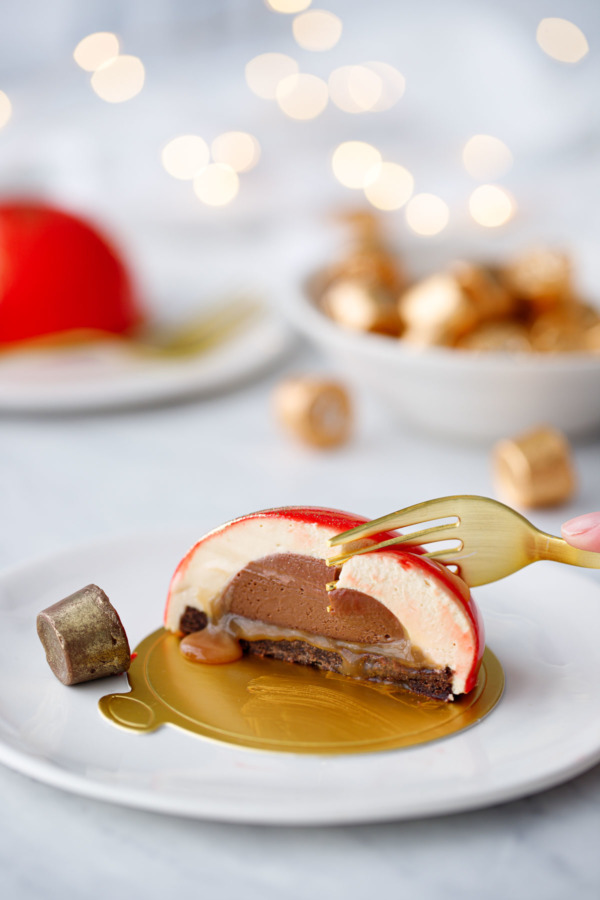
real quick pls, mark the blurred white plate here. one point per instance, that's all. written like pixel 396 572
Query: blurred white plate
pixel 542 624
pixel 106 375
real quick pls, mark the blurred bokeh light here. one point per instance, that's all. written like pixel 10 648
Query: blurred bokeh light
pixel 265 72
pixel 393 85
pixel 486 158
pixel 185 156
pixel 216 185
pixel 427 214
pixel 562 40
pixel 237 149
pixel 491 205
pixel 302 96
pixel 355 89
pixel 96 49
pixel 317 30
pixel 119 79
pixel 391 188
pixel 5 109
pixel 288 6
pixel 356 164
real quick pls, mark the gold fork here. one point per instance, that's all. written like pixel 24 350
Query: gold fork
pixel 203 332
pixel 493 540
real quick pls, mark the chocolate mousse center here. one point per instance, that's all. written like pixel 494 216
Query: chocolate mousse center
pixel 288 590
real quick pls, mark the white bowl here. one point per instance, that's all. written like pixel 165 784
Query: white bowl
pixel 458 393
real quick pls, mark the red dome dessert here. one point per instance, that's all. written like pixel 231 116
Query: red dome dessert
pixel 394 616
pixel 59 275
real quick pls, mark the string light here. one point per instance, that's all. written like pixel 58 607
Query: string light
pixel 288 6
pixel 317 30
pixel 393 85
pixel 356 164
pixel 427 214
pixel 119 79
pixel 5 109
pixel 391 188
pixel 354 89
pixel 216 185
pixel 486 157
pixel 265 72
pixel 302 96
pixel 185 156
pixel 237 149
pixel 96 49
pixel 491 205
pixel 562 40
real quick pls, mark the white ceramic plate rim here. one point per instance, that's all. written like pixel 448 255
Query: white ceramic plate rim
pixel 149 381
pixel 215 801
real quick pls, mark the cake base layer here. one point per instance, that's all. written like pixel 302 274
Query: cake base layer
pixel 434 683
pixel 431 682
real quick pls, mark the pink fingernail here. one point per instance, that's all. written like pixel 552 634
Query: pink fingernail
pixel 582 524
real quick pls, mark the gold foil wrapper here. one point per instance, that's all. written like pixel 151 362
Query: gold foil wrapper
pixel 563 329
pixel 591 340
pixel 534 469
pixel 436 311
pixel 370 262
pixel 317 411
pixel 482 285
pixel 281 707
pixel 361 308
pixel 503 337
pixel 542 277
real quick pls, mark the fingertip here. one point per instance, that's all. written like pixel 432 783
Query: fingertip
pixel 583 531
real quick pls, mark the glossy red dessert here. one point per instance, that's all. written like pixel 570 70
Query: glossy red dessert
pixel 393 616
pixel 58 275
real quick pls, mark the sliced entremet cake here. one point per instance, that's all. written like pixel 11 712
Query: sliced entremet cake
pixel 258 585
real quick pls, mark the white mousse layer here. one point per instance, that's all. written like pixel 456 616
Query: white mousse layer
pixel 427 609
pixel 217 558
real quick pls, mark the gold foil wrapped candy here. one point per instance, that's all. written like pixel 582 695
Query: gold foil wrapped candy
pixel 591 340
pixel 436 311
pixel 318 411
pixel 360 307
pixel 542 277
pixel 528 305
pixel 483 286
pixel 534 469
pixel 503 337
pixel 444 308
pixel 369 261
pixel 563 329
pixel 83 637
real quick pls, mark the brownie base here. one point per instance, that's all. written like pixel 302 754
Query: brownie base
pixel 192 620
pixel 434 683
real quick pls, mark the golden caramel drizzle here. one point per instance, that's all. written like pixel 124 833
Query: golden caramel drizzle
pixel 212 644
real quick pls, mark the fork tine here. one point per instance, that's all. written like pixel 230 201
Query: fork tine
pixel 426 536
pixel 412 515
pixel 445 556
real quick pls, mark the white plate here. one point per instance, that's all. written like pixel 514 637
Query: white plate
pixel 543 624
pixel 106 376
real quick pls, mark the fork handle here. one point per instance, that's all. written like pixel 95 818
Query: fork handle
pixel 549 547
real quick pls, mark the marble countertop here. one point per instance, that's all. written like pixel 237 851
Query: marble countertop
pixel 69 479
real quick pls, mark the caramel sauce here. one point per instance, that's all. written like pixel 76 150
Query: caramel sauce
pixel 212 645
